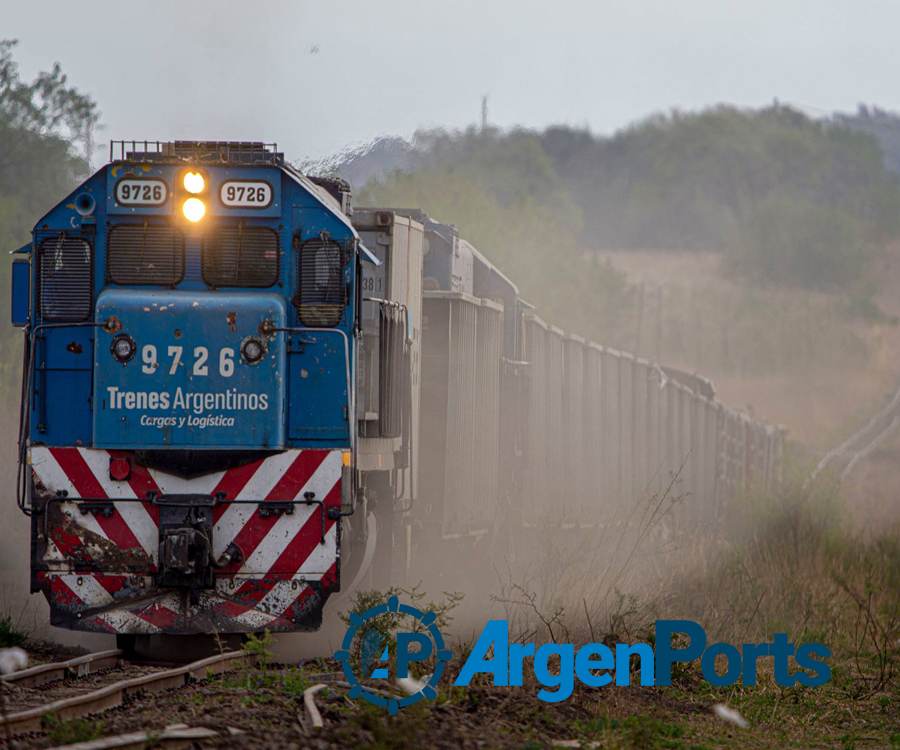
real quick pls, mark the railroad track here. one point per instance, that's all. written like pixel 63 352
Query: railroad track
pixel 45 674
pixel 82 686
pixel 879 428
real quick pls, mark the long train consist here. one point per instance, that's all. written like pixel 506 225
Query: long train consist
pixel 238 393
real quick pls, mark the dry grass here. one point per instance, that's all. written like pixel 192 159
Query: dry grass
pixel 787 561
pixel 809 360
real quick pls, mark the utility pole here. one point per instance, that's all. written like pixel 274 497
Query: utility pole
pixel 484 112
pixel 89 143
pixel 659 326
pixel 640 321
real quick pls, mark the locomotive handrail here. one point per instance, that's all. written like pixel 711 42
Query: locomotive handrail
pixel 399 306
pixel 351 394
pixel 404 438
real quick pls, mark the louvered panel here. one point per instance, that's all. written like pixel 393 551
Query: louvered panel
pixel 241 256
pixel 145 254
pixel 64 279
pixel 394 371
pixel 320 297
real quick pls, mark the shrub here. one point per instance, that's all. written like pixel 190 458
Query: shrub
pixel 61 732
pixel 10 635
pixel 786 240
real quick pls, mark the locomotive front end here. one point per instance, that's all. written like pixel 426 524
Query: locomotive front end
pixel 187 452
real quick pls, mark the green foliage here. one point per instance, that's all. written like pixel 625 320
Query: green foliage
pixel 374 728
pixel 512 167
pixel 47 107
pixel 785 239
pixel 255 682
pixel 595 725
pixel 10 635
pixel 790 562
pixel 639 731
pixel 260 646
pixel 648 732
pixel 884 126
pixel 259 680
pixel 362 601
pixel 686 180
pixel 68 732
pixel 505 198
pixel 43 125
pixel 798 514
pixel 793 201
pixel 46 135
pixel 387 624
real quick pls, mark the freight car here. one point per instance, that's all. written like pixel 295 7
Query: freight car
pixel 240 394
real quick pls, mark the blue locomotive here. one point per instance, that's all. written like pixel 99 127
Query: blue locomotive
pixel 240 392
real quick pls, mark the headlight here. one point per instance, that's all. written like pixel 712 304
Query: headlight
pixel 193 209
pixel 253 349
pixel 193 182
pixel 123 348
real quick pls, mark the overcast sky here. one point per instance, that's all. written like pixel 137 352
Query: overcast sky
pixel 317 76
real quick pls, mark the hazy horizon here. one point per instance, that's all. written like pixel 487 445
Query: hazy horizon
pixel 319 78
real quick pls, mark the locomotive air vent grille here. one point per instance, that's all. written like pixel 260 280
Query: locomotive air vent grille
pixel 145 254
pixel 241 256
pixel 65 283
pixel 321 299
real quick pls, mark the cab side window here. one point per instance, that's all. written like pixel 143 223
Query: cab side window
pixel 321 293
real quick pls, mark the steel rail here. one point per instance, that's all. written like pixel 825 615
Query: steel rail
pixel 861 443
pixel 114 695
pixel 64 670
pixel 178 735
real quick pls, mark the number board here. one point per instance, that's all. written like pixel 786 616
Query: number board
pixel 141 191
pixel 245 194
pixel 196 391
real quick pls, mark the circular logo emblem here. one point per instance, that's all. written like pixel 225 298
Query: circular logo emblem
pixel 404 656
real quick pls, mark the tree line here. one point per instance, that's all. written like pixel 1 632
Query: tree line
pixel 46 139
pixel 785 198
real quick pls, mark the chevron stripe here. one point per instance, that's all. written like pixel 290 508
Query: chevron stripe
pixel 282 553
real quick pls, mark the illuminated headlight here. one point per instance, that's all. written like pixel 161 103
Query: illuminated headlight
pixel 253 350
pixel 123 348
pixel 193 182
pixel 193 209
